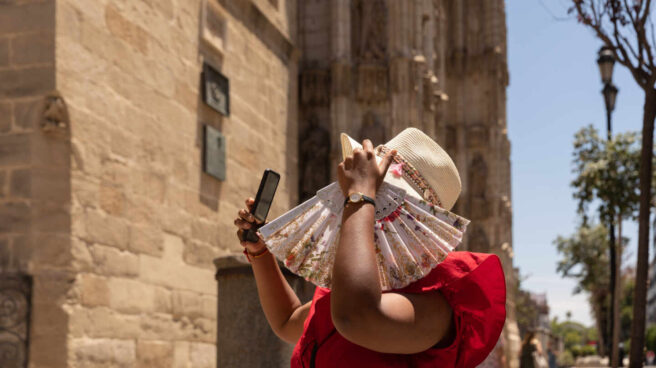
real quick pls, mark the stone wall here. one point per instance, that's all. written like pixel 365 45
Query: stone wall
pixel 111 212
pixel 34 180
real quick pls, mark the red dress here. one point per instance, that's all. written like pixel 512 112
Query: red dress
pixel 474 286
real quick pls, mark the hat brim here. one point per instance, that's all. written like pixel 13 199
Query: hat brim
pixel 349 144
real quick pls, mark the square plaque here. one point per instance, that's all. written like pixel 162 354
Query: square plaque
pixel 214 153
pixel 216 90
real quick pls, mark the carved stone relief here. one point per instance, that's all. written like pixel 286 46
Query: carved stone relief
pixel 373 129
pixel 314 158
pixel 478 176
pixel 315 87
pixel 477 136
pixel 369 30
pixel 55 112
pixel 372 83
pixel 15 296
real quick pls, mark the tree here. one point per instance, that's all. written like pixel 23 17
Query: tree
pixel 607 174
pixel 626 27
pixel 583 257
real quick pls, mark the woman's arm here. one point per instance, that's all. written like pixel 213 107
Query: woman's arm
pixel 281 306
pixel 390 322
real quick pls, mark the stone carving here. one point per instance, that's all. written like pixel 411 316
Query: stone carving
pixel 315 87
pixel 14 317
pixel 477 188
pixel 314 158
pixel 369 29
pixel 431 95
pixel 478 241
pixel 55 112
pixel 477 136
pixel 372 83
pixel 373 129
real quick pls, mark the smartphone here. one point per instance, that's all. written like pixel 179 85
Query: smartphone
pixel 263 200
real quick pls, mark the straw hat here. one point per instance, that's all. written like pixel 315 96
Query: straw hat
pixel 421 166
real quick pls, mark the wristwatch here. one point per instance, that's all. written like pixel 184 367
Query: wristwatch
pixel 358 197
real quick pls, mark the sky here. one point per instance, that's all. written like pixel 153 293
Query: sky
pixel 555 89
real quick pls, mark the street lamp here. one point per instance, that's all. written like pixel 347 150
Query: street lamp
pixel 606 61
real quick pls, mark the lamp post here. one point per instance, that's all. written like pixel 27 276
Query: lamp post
pixel 606 61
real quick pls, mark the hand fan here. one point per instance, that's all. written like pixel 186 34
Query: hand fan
pixel 411 236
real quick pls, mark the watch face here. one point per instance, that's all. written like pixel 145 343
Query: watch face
pixel 355 197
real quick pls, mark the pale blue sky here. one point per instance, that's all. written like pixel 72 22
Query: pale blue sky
pixel 554 91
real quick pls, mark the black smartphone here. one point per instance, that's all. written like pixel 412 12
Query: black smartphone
pixel 263 200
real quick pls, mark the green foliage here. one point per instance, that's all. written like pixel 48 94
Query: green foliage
pixel 607 173
pixel 650 338
pixel 584 257
pixel 566 359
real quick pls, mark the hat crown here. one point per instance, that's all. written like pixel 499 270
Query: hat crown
pixel 427 157
pixel 432 162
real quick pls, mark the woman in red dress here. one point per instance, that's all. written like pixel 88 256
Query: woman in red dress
pixel 452 317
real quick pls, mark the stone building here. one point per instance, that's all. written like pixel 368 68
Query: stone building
pixel 109 220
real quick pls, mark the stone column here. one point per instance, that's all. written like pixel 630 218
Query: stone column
pixel 340 109
pixel 244 337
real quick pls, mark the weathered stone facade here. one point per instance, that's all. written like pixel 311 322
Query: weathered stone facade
pixel 103 200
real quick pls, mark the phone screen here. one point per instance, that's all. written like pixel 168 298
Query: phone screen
pixel 266 197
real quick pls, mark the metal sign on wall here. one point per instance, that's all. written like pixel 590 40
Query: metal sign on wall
pixel 216 90
pixel 214 153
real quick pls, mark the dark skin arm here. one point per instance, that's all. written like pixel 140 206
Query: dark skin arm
pixel 391 322
pixel 281 306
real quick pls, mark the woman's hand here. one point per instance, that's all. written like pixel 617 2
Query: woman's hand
pixel 361 173
pixel 246 221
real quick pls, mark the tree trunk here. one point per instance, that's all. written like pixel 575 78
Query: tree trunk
pixel 617 292
pixel 612 349
pixel 598 306
pixel 640 301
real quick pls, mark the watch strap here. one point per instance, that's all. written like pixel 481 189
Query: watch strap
pixel 365 199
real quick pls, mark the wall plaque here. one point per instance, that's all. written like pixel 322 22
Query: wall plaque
pixel 214 153
pixel 216 90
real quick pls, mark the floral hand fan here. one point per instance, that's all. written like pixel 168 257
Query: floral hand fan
pixel 411 236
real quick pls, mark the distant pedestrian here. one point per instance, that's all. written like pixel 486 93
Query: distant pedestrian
pixel 551 356
pixel 531 353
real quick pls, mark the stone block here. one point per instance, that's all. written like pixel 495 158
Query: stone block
pixel 48 216
pixel 203 355
pixel 126 30
pixel 171 272
pixel 81 254
pixel 102 322
pixel 5 253
pixel 85 191
pixel 4 52
pixel 187 304
pixel 181 355
pixel 33 48
pixel 27 113
pixel 50 183
pixel 3 181
pixel 14 149
pixel 50 250
pixel 103 353
pixel 199 254
pixel 21 183
pixel 154 354
pixel 94 290
pixel 112 199
pixel 5 114
pixel 27 81
pixel 106 229
pixel 17 17
pixel 113 262
pixel 14 217
pixel 131 296
pixel 147 240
